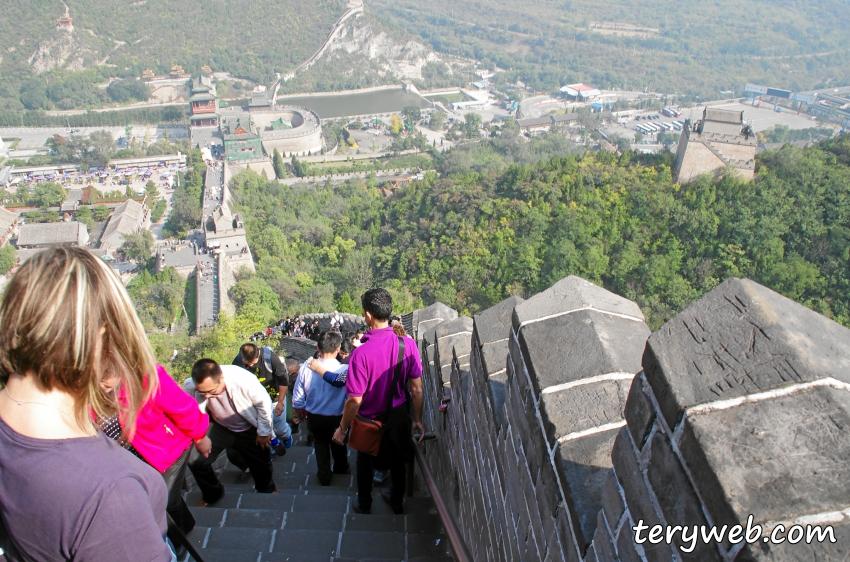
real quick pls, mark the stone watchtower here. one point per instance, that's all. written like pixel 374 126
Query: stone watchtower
pixel 719 139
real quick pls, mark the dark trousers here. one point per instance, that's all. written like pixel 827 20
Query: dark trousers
pixel 366 465
pixel 322 428
pixel 245 443
pixel 176 507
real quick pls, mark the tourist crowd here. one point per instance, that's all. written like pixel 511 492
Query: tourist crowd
pixel 113 436
pixel 298 327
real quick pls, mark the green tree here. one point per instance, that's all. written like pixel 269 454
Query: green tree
pixel 277 163
pixel 437 119
pixel 100 213
pixel 84 215
pixel 471 125
pixel 412 114
pixel 345 304
pixel 8 258
pixel 138 246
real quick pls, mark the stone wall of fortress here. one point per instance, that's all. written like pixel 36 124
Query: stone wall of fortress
pixel 561 422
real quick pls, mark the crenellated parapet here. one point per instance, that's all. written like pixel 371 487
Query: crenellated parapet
pixel 560 426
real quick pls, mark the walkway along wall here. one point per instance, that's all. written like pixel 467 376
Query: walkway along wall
pixel 551 448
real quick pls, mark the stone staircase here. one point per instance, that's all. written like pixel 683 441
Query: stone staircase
pixel 308 522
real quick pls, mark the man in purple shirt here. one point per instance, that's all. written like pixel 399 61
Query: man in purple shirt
pixel 369 385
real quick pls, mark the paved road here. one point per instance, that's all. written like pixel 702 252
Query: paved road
pixel 36 137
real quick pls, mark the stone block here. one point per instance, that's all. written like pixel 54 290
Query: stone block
pixel 612 501
pixel 640 413
pixel 638 499
pixel 626 549
pixel 582 465
pixel 775 459
pixel 584 344
pixel 497 392
pixel 430 316
pixel 676 497
pixel 570 294
pixel 493 356
pixel 603 543
pixel 583 407
pixel 741 338
pixel 494 324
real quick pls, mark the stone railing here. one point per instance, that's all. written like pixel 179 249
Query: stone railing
pixel 560 426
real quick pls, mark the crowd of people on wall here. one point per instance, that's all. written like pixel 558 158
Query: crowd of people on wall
pixel 298 327
pixel 114 437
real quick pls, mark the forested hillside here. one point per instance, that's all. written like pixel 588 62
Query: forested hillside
pixel 471 239
pixel 247 38
pixel 689 47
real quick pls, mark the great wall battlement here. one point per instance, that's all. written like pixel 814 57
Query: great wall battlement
pixel 561 422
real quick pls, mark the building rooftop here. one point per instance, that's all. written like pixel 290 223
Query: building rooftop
pixel 126 219
pixel 723 116
pixel 7 218
pixel 535 121
pixel 50 234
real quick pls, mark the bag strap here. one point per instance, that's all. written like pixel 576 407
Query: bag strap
pixel 396 375
pixel 267 359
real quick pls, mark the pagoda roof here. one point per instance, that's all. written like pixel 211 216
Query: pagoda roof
pixel 202 96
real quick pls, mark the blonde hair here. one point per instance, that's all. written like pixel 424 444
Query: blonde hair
pixel 67 318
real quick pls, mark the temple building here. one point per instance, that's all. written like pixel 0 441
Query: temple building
pixel 719 139
pixel 65 22
pixel 148 75
pixel 241 139
pixel 177 73
pixel 203 103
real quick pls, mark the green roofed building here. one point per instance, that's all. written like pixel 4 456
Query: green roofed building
pixel 241 139
pixel 281 124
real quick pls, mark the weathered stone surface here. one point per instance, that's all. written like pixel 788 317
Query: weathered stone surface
pixel 741 338
pixel 603 543
pixel 570 294
pixel 676 497
pixel 497 388
pixel 626 551
pixel 493 356
pixel 640 413
pixel 494 324
pixel 612 501
pixel 583 407
pixel 583 465
pixel 638 500
pixel 432 315
pixel 776 459
pixel 459 325
pixel 584 344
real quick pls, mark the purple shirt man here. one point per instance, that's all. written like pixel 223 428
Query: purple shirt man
pixel 371 369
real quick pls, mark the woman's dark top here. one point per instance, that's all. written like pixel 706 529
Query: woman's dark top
pixel 82 499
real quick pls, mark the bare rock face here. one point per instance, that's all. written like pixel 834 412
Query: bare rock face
pixel 61 52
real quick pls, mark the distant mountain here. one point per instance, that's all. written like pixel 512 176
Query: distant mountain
pixel 61 56
pixel 120 38
pixel 686 46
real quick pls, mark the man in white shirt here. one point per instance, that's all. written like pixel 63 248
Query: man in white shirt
pixel 240 418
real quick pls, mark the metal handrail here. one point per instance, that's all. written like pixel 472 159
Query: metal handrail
pixel 459 548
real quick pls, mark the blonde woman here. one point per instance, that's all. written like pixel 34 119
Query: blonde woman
pixel 69 492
